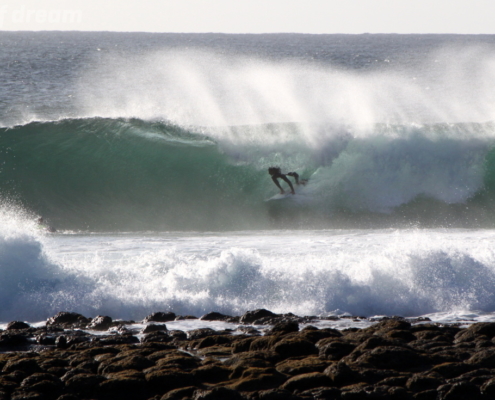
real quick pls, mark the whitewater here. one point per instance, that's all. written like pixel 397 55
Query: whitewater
pixel 149 153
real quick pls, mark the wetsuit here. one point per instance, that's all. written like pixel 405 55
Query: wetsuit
pixel 278 175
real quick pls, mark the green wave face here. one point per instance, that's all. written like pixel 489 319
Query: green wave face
pixel 126 175
pixel 109 174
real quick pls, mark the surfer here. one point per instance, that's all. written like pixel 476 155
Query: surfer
pixel 295 175
pixel 276 174
pixel 44 226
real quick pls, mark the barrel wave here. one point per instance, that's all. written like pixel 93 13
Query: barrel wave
pixel 133 175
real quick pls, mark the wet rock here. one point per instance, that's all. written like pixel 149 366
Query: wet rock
pixel 26 365
pixel 162 381
pixel 307 381
pixel 334 349
pixel 14 325
pixel 160 317
pixel 100 323
pixel 461 391
pixel 253 379
pixel 483 359
pixel 215 316
pixel 84 384
pixel 302 366
pixel 154 328
pixel 158 337
pixel 219 393
pixel 397 358
pixel 180 394
pixel 68 320
pixel 201 333
pixel 215 340
pixel 212 373
pixel 282 394
pixel 294 347
pixel 475 331
pixel 341 374
pixel 123 387
pixel 451 369
pixel 421 383
pixel 10 339
pixel 135 362
pixel 251 316
pixel 284 327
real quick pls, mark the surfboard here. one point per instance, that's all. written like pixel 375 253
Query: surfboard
pixel 280 196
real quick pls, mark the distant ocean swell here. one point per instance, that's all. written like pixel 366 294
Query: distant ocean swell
pixel 131 174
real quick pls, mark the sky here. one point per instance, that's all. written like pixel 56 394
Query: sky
pixel 252 16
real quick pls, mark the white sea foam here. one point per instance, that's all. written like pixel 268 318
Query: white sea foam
pixel 405 272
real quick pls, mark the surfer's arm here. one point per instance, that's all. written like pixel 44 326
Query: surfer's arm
pixel 288 182
pixel 295 175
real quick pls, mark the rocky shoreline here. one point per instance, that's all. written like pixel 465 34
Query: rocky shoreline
pixel 391 359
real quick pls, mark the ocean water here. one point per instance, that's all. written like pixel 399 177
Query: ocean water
pixel 149 152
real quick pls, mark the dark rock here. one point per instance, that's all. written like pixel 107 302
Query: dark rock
pixel 483 359
pixel 45 340
pixel 430 394
pixel 451 369
pixel 180 394
pixel 462 391
pixel 248 359
pixel 158 336
pixel 251 316
pixel 258 379
pixel 162 381
pixel 17 325
pixel 201 333
pixel 68 319
pixel 212 373
pixel 264 342
pixel 302 366
pixel 84 384
pixel 27 365
pixel 334 350
pixel 215 316
pixel 307 381
pixel 488 388
pixel 100 323
pixel 180 360
pixel 282 394
pixel 390 324
pixel 315 336
pixel 341 374
pixel 219 393
pixel 13 340
pixel 136 362
pixel 242 345
pixel 176 334
pixel 160 317
pixel 216 340
pixel 421 383
pixel 475 331
pixel 321 393
pixel 284 327
pixel 116 340
pixel 154 328
pixel 61 342
pixel 294 347
pixel 123 388
pixel 398 358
